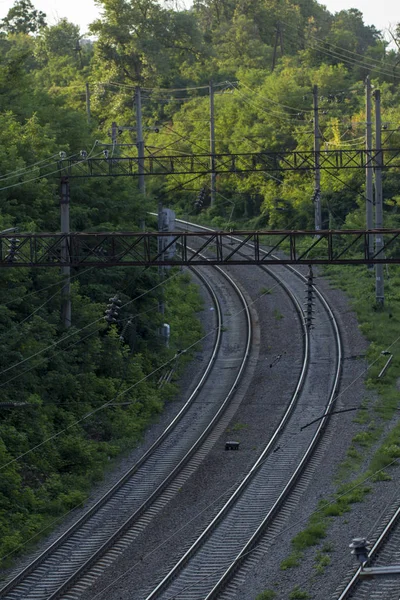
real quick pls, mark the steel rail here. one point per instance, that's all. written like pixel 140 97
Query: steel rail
pixel 291 483
pixel 120 532
pixel 111 492
pixel 376 548
pixel 174 473
pixel 163 585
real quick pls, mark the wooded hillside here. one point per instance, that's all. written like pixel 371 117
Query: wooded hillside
pixel 87 393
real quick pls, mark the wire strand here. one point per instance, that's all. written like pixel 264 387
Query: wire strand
pixel 78 331
pixel 12 174
pixel 39 177
pixel 307 110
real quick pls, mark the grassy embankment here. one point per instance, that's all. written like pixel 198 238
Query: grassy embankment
pixel 376 447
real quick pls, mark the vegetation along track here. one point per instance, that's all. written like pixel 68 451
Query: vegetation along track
pixel 385 551
pixel 74 560
pixel 209 564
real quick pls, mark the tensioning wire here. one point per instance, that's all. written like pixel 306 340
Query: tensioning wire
pixel 51 356
pixel 79 330
pixel 351 61
pixel 46 174
pixel 277 115
pixel 298 28
pixel 309 110
pixel 47 287
pixel 15 173
pixel 106 404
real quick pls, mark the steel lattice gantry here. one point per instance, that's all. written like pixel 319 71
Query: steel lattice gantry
pixel 222 248
pixel 224 163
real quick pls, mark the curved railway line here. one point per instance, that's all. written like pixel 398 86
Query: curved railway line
pixel 254 508
pixel 251 518
pixel 96 539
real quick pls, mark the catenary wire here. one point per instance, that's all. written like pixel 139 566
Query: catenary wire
pixel 197 342
pixel 94 411
pixel 307 110
pixel 276 541
pixel 68 347
pixel 351 61
pixel 43 176
pixel 35 292
pixel 332 44
pixel 18 172
pixel 78 330
pixel 277 115
pixel 17 325
pixel 212 331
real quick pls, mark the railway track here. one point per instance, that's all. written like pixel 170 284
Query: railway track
pixel 71 564
pixel 204 571
pixel 385 551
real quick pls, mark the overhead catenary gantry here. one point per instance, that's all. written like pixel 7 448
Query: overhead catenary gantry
pixel 223 248
pixel 198 164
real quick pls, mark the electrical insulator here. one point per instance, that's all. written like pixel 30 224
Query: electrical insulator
pixel 360 548
pixel 112 310
pixel 63 155
pixel 309 299
pixel 105 153
pixel 83 154
pixel 200 199
pixel 12 249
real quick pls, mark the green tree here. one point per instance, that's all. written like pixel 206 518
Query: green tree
pixel 61 39
pixel 23 18
pixel 141 41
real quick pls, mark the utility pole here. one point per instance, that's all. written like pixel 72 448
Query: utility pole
pixel 212 145
pixel 66 271
pixel 379 286
pixel 161 304
pixel 114 134
pixel 278 38
pixel 89 116
pixel 139 139
pixel 317 176
pixel 369 192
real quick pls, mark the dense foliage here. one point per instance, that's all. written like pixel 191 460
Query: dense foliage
pixel 264 57
pixel 71 399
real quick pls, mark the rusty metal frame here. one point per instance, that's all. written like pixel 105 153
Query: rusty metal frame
pixel 187 164
pixel 107 249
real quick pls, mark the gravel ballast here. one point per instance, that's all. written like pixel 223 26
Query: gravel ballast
pixel 280 350
pixel 203 493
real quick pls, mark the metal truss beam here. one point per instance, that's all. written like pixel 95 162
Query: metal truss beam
pixel 226 163
pixel 188 248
